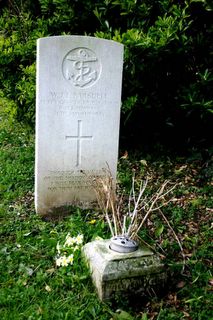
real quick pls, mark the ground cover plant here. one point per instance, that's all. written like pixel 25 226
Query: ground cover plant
pixel 35 285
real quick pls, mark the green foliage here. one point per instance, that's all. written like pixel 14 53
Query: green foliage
pixel 16 161
pixel 30 280
pixel 168 79
pixel 33 287
pixel 25 93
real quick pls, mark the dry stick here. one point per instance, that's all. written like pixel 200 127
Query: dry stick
pixel 100 202
pixel 144 242
pixel 124 226
pixel 168 191
pixel 113 207
pixel 151 207
pixel 162 196
pixel 135 212
pixel 132 194
pixel 112 198
pixel 133 188
pixel 118 213
pixel 159 191
pixel 129 202
pixel 162 205
pixel 108 219
pixel 103 198
pixel 157 244
pixel 104 206
pixel 176 237
pixel 148 212
pixel 146 204
pixel 131 197
pixel 109 191
pixel 146 215
pixel 109 202
pixel 114 217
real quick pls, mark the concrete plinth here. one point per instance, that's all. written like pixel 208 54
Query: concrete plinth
pixel 125 274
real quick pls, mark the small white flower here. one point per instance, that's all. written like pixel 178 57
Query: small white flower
pixel 58 261
pixel 69 241
pixel 70 259
pixel 64 261
pixel 79 239
pixel 47 288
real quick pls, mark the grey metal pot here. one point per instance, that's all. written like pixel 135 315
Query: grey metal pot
pixel 123 244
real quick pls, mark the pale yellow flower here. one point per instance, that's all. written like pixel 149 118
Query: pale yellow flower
pixel 79 239
pixel 58 261
pixel 69 241
pixel 70 259
pixel 64 261
pixel 48 288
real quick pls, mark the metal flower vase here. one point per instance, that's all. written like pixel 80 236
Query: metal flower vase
pixel 123 244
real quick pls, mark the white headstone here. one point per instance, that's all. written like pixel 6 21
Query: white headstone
pixel 77 118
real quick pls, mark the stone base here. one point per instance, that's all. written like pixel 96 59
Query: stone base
pixel 123 274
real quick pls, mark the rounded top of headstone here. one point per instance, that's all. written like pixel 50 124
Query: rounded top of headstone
pixel 77 38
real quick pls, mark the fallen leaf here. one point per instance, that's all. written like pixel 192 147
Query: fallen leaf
pixel 181 284
pixel 144 163
pixel 40 310
pixel 186 314
pixel 50 270
pixel 125 155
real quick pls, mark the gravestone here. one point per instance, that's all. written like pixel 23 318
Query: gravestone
pixel 78 97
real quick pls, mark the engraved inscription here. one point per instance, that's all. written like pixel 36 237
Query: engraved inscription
pixel 82 67
pixel 70 180
pixel 79 137
pixel 78 104
pixel 66 183
pixel 79 113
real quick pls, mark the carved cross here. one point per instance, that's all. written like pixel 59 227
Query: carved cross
pixel 79 137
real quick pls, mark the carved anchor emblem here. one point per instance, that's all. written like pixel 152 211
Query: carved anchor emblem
pixel 82 74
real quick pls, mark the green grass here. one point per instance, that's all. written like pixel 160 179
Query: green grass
pixel 31 287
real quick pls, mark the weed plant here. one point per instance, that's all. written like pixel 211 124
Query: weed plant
pixel 34 287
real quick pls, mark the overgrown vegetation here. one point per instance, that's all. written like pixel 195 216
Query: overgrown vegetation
pixel 127 214
pixel 168 80
pixel 167 99
pixel 33 287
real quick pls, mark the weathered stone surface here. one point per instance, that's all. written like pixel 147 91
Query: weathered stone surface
pixel 78 97
pixel 115 274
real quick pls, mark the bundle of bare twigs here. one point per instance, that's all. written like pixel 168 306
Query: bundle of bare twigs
pixel 127 219
pixel 140 204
